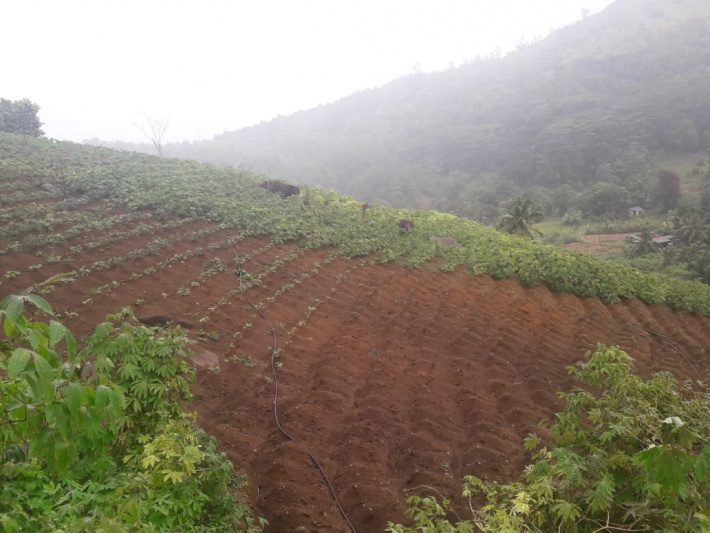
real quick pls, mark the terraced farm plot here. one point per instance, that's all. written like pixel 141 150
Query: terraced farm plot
pixel 407 378
pixel 394 378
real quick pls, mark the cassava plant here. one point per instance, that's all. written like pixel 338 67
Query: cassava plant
pixel 633 455
pixel 103 445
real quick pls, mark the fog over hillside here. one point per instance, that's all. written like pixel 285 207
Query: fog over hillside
pixel 220 65
pixel 599 101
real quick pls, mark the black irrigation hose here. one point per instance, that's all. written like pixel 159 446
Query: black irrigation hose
pixel 669 340
pixel 276 388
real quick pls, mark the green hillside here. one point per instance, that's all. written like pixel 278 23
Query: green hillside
pixel 315 218
pixel 600 100
pixel 94 437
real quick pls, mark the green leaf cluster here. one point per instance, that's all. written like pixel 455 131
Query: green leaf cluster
pixel 625 455
pixel 20 117
pixel 114 452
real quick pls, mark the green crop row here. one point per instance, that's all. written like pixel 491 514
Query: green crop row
pixel 317 218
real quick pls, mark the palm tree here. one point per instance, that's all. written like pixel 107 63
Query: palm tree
pixel 694 229
pixel 520 218
pixel 645 244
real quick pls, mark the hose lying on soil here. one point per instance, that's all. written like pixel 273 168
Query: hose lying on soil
pixel 272 331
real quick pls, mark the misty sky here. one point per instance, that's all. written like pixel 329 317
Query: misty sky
pixel 220 65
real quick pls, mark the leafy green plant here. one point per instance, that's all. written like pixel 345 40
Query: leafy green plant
pixel 245 360
pixel 148 362
pixel 520 218
pixel 212 267
pixel 634 457
pixel 44 406
pixel 104 445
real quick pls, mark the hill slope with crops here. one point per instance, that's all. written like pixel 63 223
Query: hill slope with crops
pixel 406 354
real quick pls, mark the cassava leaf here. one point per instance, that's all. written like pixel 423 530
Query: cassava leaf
pixel 56 332
pixel 40 303
pixel 102 396
pixel 18 362
pixel 603 492
pixel 37 340
pixel 9 328
pixel 9 524
pixel 61 455
pixel 567 511
pixel 71 344
pixel 46 374
pixel 75 392
pixel 20 324
pixel 669 472
pixel 41 441
pixel 13 308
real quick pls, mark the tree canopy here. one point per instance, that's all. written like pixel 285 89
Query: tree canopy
pixel 519 219
pixel 20 117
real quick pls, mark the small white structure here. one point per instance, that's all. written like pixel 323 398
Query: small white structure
pixel 636 211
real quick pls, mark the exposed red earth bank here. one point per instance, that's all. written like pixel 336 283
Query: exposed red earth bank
pixel 393 378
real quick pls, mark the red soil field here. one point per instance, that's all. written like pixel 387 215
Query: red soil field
pixel 394 379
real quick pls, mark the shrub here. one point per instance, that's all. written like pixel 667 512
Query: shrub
pixel 634 457
pixel 573 217
pixel 107 448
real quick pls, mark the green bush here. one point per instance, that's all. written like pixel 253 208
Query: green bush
pixel 633 457
pixel 104 445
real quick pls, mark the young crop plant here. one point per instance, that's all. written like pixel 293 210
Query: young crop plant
pixel 96 439
pixel 244 360
pixel 625 455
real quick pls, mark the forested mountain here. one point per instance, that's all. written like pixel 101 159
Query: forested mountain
pixel 593 102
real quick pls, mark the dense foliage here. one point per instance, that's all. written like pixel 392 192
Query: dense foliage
pixel 96 439
pixel 687 255
pixel 519 219
pixel 632 455
pixel 20 117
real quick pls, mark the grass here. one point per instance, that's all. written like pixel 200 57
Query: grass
pixel 555 232
pixel 551 225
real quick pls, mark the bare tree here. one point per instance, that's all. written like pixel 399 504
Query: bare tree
pixel 61 179
pixel 153 129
